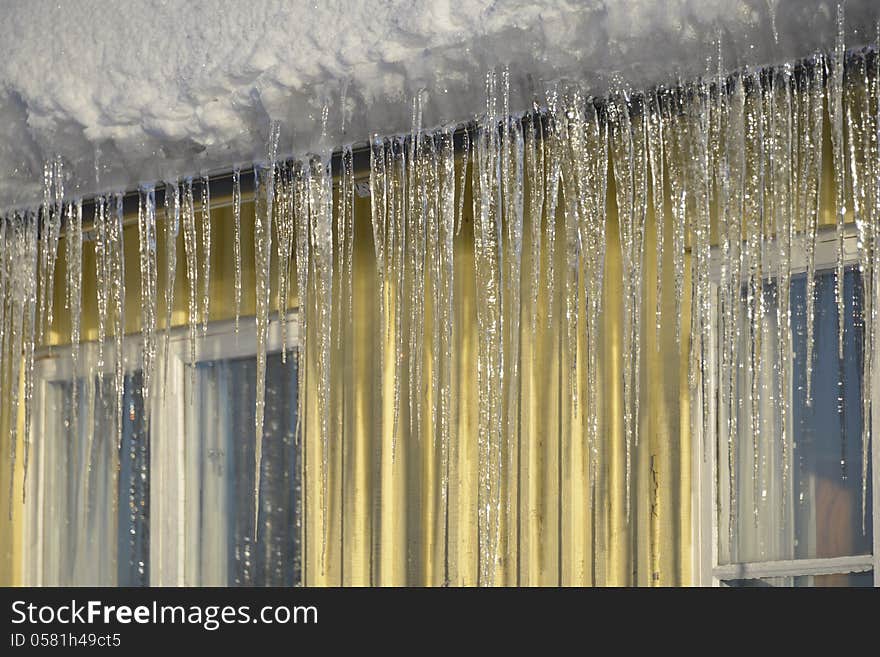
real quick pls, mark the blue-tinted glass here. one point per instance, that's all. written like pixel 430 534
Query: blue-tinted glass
pixel 827 434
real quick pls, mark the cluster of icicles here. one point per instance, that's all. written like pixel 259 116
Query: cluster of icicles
pixel 735 159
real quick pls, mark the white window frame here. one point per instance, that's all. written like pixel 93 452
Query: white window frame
pixel 169 529
pixel 706 569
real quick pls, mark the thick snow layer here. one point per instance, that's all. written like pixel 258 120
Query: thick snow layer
pixel 161 88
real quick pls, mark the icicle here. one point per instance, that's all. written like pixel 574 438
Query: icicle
pixel 699 165
pixel 674 172
pixel 348 227
pixel 264 179
pixel 813 100
pixel 263 176
pixel 30 266
pixel 597 176
pixel 720 175
pixel 284 243
pixel 74 298
pixel 378 214
pixel 236 243
pixel 733 183
pixel 783 196
pixel 190 247
pixel 431 186
pixel 446 320
pixel 489 263
pixel 378 211
pixel 46 219
pixel 535 153
pixel 628 141
pixel 73 242
pixel 462 180
pixel 754 224
pixel 21 247
pixel 408 196
pixel 116 267
pixel 52 232
pixel 206 252
pixel 102 287
pixel 512 260
pixel 321 231
pixel 149 294
pixel 834 66
pixel 551 193
pixel 303 250
pixel 431 203
pixel 655 157
pixel 873 158
pixel 571 141
pixel 172 229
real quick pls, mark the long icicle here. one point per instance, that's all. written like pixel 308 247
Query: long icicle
pixel 284 231
pixel 149 294
pixel 872 157
pixel 22 248
pixel 74 242
pixel 46 217
pixel 656 160
pixel 446 320
pixel 116 254
pixel 206 252
pixel 812 174
pixel 52 233
pixel 834 67
pixel 190 247
pixel 172 229
pixel 236 242
pixel 264 197
pixel 628 141
pixel 735 159
pixel 378 211
pixel 102 277
pixel 835 80
pixel 30 266
pixel 321 214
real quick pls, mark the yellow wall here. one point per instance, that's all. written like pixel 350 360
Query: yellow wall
pixel 391 530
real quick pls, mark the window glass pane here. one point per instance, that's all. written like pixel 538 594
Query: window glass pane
pixel 842 579
pixel 94 495
pixel 811 506
pixel 223 463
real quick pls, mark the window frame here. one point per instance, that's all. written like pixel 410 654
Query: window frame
pixel 169 564
pixel 704 503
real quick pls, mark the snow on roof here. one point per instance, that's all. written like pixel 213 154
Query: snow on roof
pixel 153 89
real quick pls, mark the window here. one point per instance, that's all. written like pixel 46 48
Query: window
pixel 792 514
pixel 88 498
pixel 173 504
